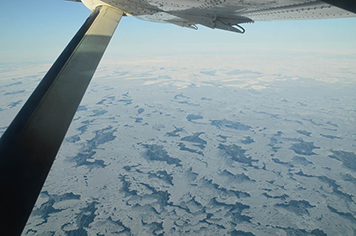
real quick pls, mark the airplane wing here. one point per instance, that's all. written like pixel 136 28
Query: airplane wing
pixel 30 144
pixel 228 14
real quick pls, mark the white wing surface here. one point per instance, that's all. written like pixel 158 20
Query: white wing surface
pixel 228 14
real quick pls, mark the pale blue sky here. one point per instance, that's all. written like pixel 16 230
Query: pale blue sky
pixel 37 31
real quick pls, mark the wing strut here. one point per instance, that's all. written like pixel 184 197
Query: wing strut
pixel 30 144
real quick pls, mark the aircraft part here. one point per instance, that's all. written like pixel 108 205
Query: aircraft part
pixel 349 5
pixel 229 14
pixel 31 142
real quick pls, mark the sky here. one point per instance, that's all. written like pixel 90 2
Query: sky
pixel 37 31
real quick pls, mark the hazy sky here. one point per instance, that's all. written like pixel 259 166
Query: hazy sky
pixel 37 31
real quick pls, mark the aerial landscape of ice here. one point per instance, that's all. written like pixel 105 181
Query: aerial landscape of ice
pixel 202 145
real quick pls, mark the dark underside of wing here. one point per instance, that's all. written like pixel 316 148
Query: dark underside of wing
pixel 300 11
